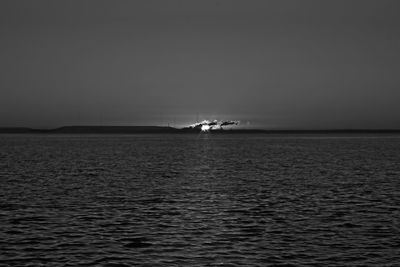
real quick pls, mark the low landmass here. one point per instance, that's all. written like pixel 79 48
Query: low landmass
pixel 172 130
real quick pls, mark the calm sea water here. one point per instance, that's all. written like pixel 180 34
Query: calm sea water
pixel 199 200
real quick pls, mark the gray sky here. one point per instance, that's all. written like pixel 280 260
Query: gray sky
pixel 271 64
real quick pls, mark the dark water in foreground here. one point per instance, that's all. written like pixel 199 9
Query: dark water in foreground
pixel 187 200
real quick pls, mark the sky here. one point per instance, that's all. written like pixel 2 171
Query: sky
pixel 279 64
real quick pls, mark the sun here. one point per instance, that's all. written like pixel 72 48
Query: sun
pixel 205 128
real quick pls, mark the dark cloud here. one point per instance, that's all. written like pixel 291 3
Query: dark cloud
pixel 226 123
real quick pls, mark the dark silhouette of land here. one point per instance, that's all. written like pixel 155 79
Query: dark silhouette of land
pixel 188 130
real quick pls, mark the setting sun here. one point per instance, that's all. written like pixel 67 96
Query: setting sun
pixel 205 128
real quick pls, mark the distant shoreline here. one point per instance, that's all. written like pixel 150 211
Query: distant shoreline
pixel 172 130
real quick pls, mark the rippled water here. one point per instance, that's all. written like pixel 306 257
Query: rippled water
pixel 207 200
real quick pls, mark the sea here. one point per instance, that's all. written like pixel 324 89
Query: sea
pixel 199 200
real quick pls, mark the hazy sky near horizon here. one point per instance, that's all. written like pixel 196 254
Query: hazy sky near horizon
pixel 270 64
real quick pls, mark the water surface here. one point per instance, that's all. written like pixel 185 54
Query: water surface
pixel 199 200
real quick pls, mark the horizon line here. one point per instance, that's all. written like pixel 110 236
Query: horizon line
pixel 165 129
